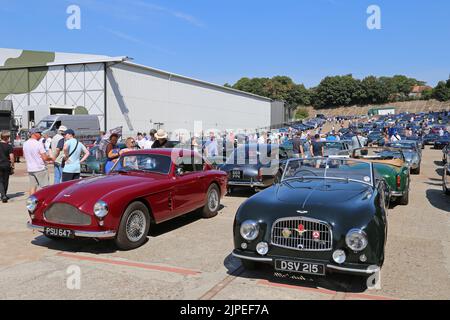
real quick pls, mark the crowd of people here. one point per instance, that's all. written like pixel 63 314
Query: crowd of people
pixel 67 153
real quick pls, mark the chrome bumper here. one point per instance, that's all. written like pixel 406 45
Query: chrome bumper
pixel 78 233
pixel 397 193
pixel 246 184
pixel 369 270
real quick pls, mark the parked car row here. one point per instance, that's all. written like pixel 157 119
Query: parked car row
pixel 313 215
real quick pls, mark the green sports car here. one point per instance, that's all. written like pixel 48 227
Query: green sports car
pixel 390 164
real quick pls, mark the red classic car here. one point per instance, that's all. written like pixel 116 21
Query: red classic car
pixel 144 187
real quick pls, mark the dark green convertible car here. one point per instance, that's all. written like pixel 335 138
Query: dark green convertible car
pixel 325 215
pixel 390 164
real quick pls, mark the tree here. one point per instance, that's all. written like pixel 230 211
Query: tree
pixel 376 90
pixel 442 91
pixel 338 91
pixel 278 88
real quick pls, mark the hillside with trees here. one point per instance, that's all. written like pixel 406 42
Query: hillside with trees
pixel 338 91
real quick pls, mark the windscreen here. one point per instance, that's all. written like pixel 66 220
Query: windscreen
pixel 339 169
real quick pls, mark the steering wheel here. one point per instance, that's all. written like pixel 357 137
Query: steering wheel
pixel 306 170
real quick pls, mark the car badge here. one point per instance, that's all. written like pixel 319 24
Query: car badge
pixel 67 196
pixel 302 212
pixel 286 233
pixel 301 230
pixel 316 235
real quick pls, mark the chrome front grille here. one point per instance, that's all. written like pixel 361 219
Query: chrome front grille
pixel 61 213
pixel 303 234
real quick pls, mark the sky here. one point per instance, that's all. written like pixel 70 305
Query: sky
pixel 223 40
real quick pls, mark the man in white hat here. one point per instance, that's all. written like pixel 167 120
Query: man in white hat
pixel 161 139
pixel 56 147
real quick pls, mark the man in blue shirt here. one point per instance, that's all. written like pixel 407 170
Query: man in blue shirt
pixel 72 153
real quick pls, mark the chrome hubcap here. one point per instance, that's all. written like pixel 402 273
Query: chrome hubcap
pixel 135 226
pixel 213 200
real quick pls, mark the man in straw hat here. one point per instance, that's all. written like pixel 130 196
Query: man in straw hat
pixel 161 139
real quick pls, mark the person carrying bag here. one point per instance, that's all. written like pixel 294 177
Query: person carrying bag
pixel 71 164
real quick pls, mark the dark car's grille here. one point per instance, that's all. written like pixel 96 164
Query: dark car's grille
pixel 303 234
pixel 61 213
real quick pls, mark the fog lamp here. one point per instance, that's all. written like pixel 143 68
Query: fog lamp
pixel 244 246
pixel 339 256
pixel 262 248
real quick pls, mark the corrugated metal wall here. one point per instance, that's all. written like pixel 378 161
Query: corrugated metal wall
pixel 139 99
pixel 73 85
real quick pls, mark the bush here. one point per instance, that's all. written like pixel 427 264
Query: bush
pixel 301 113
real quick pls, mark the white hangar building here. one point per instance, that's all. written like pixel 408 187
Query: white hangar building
pixel 123 93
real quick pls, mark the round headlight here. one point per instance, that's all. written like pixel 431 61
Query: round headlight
pixel 250 230
pixel 356 240
pixel 32 203
pixel 262 248
pixel 100 209
pixel 339 256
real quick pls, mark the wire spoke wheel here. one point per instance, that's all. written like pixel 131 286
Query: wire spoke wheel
pixel 213 200
pixel 135 226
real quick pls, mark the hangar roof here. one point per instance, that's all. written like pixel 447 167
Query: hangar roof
pixel 17 58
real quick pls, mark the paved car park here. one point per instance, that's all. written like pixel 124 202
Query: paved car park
pixel 189 257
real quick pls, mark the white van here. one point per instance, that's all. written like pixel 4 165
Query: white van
pixel 86 127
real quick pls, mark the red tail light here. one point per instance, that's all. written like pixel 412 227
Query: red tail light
pixel 399 181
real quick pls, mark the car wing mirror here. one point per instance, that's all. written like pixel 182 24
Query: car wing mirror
pixel 180 172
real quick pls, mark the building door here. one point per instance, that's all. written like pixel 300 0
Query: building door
pixel 31 121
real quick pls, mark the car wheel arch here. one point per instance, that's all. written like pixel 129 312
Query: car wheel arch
pixel 145 203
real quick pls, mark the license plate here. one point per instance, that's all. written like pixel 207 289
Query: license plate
pixel 236 174
pixel 300 267
pixel 59 233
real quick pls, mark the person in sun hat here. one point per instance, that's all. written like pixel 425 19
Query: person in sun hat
pixel 161 139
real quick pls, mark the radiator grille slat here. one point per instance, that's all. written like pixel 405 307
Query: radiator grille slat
pixel 303 234
pixel 62 213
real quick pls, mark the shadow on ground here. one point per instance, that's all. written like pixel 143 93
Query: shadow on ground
pixel 16 195
pixel 438 199
pixel 332 281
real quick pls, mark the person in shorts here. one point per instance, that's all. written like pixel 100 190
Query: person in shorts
pixel 72 154
pixel 36 158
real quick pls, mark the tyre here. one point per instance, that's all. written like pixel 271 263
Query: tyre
pixel 444 187
pixel 404 200
pixel 211 208
pixel 248 264
pixel 134 227
pixel 416 171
